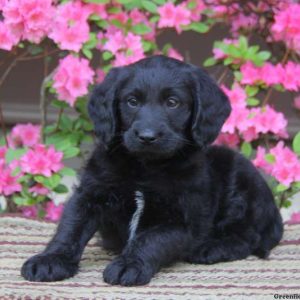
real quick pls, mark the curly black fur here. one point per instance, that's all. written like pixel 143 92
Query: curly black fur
pixel 155 121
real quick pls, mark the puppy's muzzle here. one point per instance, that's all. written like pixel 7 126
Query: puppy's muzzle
pixel 147 136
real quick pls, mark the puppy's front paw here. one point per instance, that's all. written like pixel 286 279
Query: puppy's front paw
pixel 127 272
pixel 48 267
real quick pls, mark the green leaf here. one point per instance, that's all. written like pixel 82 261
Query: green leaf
pixel 87 139
pixel 102 23
pixel 296 143
pixel 59 104
pixel 87 52
pixel 246 149
pixel 228 61
pixel 12 154
pixel 71 152
pixel 52 182
pixel 211 61
pixel 287 203
pixel 270 158
pixel 252 50
pixel 160 2
pixel 106 55
pixel 92 42
pixel 63 144
pixel 147 46
pixel 198 27
pixel 67 172
pixel 117 23
pixel 61 189
pixel 141 29
pixel 34 49
pixel 234 51
pixel 238 75
pixel 124 1
pixel 252 101
pixel 66 123
pixel 97 1
pixel 192 5
pixel 16 171
pixel 154 19
pixel 243 43
pixel 251 90
pixel 264 55
pixel 281 188
pixel 23 201
pixel 150 6
pixel 50 129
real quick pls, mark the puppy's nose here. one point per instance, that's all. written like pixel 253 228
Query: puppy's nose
pixel 147 136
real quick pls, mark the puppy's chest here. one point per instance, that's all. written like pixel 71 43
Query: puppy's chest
pixel 156 209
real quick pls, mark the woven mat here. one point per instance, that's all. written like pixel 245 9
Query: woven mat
pixel 246 279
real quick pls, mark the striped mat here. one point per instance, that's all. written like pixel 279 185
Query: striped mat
pixel 246 279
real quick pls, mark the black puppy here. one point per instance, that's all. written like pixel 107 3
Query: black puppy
pixel 154 187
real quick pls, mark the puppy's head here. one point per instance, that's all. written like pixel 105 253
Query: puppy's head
pixel 157 106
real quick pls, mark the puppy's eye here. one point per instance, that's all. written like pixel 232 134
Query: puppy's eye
pixel 172 103
pixel 132 102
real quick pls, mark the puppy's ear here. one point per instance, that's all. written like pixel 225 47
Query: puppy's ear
pixel 102 107
pixel 211 108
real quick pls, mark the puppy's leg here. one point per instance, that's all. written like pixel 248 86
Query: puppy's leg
pixel 61 257
pixel 145 254
pixel 226 248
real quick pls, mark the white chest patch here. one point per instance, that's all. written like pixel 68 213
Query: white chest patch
pixel 140 203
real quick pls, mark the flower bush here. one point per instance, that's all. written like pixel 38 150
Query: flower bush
pixel 120 32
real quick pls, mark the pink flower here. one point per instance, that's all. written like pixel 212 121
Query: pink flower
pixel 122 17
pixel 39 189
pixel 238 119
pixel 260 160
pixel 53 212
pixel 228 139
pixel 174 16
pixel 31 19
pixel 70 29
pixel 115 42
pixel 137 17
pixel 237 96
pixel 3 150
pixel 118 42
pixel 286 26
pixel 295 218
pixel 72 78
pixel 197 10
pixel 175 54
pixel 286 167
pixel 7 38
pixel 243 21
pixel 100 75
pixel 291 80
pixel 123 59
pixel 97 9
pixel 8 183
pixel 25 135
pixel 268 120
pixel 271 74
pixel 297 102
pixel 250 134
pixel 250 73
pixel 29 211
pixel 41 161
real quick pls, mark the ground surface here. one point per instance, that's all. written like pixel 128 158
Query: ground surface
pixel 247 279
